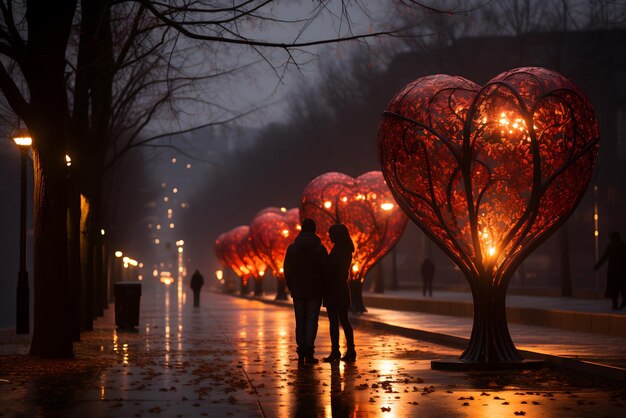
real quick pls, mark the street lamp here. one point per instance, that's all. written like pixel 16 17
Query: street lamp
pixel 23 140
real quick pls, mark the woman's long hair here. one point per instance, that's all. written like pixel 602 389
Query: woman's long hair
pixel 339 235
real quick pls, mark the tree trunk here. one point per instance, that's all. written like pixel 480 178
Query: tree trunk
pixel 52 333
pixel 244 286
pixel 356 296
pixel 566 274
pixel 98 266
pixel 490 341
pixel 394 285
pixel 73 249
pixel 258 286
pixel 48 120
pixel 281 288
pixel 86 264
pixel 379 278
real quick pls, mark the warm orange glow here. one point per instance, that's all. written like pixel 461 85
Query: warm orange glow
pixel 23 141
pixel 155 273
pixel 271 233
pixel 118 254
pixel 68 160
pixel 219 274
pixel 489 173
pixel 374 227
pixel 234 250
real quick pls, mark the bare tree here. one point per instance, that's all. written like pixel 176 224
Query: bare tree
pixel 74 113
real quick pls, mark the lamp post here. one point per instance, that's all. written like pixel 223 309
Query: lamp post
pixel 23 140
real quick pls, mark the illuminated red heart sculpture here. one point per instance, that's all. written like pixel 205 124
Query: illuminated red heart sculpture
pixel 236 250
pixel 226 251
pixel 489 173
pixel 365 205
pixel 271 232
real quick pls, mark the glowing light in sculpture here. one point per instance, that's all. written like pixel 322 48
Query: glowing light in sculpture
pixel 272 232
pixel 489 173
pixel 356 202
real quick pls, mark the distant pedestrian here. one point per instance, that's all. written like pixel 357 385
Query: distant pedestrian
pixel 337 291
pixel 428 274
pixel 197 281
pixel 304 273
pixel 615 253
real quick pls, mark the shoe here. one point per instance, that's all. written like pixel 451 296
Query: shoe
pixel 311 360
pixel 350 355
pixel 335 355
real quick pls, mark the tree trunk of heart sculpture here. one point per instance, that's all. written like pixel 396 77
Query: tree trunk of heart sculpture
pixel 356 297
pixel 281 289
pixel 490 341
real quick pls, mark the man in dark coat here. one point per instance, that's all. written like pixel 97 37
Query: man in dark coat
pixel 196 285
pixel 428 274
pixel 304 273
pixel 615 254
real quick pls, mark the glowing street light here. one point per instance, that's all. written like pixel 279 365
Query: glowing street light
pixel 23 140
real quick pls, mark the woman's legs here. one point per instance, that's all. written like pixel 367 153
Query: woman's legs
pixel 347 328
pixel 333 319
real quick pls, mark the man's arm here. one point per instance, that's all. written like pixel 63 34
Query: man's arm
pixel 287 267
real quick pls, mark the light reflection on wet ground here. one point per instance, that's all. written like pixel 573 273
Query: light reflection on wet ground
pixel 236 357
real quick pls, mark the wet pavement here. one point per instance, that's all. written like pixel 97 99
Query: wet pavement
pixel 236 357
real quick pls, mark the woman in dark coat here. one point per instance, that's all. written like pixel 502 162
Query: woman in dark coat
pixel 337 292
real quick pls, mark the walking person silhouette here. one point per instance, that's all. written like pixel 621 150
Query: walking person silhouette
pixel 304 273
pixel 615 254
pixel 337 292
pixel 428 274
pixel 197 281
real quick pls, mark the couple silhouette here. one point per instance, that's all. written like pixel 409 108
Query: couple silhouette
pixel 314 277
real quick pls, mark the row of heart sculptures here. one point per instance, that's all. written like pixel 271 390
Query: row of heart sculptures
pixel 488 173
pixel 364 204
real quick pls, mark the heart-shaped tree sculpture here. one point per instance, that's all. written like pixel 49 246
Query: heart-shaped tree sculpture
pixel 366 206
pixel 489 173
pixel 227 254
pixel 272 231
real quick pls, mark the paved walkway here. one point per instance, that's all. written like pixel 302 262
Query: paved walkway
pixel 521 301
pixel 236 357
pixel 586 347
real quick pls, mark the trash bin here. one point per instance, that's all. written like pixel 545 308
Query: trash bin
pixel 127 295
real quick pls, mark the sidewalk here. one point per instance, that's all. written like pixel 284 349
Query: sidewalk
pixel 569 314
pixel 236 357
pixel 597 354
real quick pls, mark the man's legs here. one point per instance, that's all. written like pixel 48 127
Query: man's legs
pixel 196 298
pixel 312 315
pixel 300 310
